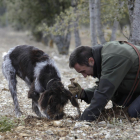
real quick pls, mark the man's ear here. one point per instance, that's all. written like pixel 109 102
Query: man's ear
pixel 91 61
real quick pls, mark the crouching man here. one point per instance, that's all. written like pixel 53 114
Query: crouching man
pixel 116 65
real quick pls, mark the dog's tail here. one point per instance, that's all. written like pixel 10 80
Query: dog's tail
pixel 3 54
pixel 7 67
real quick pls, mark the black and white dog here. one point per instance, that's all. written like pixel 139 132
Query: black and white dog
pixel 38 70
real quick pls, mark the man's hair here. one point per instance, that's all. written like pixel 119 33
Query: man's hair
pixel 80 55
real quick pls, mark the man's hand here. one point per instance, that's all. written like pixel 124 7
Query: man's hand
pixel 75 89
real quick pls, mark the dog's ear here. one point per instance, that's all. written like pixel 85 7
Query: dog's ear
pixel 72 98
pixel 73 101
pixel 50 99
pixel 45 99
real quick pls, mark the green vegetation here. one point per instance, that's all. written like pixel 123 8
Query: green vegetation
pixel 6 124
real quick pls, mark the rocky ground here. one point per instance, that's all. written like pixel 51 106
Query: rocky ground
pixel 112 124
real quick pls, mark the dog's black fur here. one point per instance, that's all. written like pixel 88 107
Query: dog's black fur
pixel 38 70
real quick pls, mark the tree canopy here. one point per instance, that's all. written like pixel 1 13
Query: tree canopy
pixel 31 13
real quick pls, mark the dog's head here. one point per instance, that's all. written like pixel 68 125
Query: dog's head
pixel 53 100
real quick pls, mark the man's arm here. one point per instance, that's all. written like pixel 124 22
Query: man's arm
pixel 88 94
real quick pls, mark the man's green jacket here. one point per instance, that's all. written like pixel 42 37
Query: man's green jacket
pixel 116 65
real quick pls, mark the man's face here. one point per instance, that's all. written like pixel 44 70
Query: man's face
pixel 85 70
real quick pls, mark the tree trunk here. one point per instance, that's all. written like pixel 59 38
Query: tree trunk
pixel 99 25
pixel 76 29
pixel 63 42
pixel 114 29
pixel 134 11
pixel 76 34
pixel 130 9
pixel 92 22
